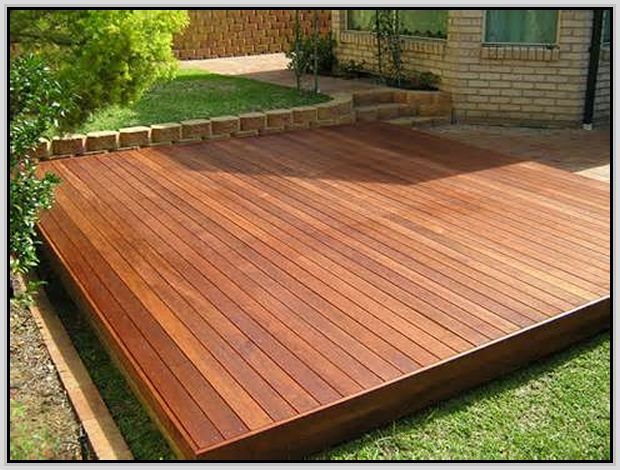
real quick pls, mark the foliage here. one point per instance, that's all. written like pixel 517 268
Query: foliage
pixel 104 56
pixel 387 29
pixel 198 94
pixel 421 81
pixel 304 58
pixel 37 102
pixel 26 444
pixel 350 69
pixel 426 80
pixel 299 63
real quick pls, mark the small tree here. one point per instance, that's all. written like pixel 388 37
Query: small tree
pixel 315 50
pixel 37 102
pixel 387 29
pixel 104 56
pixel 299 63
pixel 311 53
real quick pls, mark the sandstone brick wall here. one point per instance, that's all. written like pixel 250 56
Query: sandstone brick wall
pixel 360 46
pixel 499 85
pixel 223 33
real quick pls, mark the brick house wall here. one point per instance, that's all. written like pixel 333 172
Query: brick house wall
pixel 514 85
pixel 225 33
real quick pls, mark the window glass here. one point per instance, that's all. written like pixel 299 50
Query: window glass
pixel 360 20
pixel 425 23
pixel 521 26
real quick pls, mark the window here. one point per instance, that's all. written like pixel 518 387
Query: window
pixel 424 23
pixel 360 20
pixel 607 27
pixel 521 26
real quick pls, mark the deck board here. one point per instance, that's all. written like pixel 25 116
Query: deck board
pixel 307 285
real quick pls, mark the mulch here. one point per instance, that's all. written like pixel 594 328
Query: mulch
pixel 43 424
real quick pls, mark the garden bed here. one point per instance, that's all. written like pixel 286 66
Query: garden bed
pixel 43 425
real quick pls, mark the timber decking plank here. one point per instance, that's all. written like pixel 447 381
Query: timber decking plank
pixel 513 228
pixel 146 355
pixel 394 203
pixel 289 209
pixel 424 158
pixel 242 402
pixel 209 253
pixel 260 239
pixel 410 264
pixel 337 201
pixel 261 361
pixel 264 290
pixel 258 210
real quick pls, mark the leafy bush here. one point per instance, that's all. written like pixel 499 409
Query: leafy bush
pixel 425 80
pixel 351 69
pixel 37 102
pixel 105 57
pixel 325 51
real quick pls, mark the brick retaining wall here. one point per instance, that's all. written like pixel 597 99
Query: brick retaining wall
pixel 225 33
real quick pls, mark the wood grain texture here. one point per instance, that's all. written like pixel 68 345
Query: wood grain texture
pixel 271 296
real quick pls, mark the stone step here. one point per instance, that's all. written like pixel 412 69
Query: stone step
pixel 421 121
pixel 375 96
pixel 376 112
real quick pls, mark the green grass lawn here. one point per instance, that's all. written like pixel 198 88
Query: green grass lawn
pixel 558 408
pixel 198 94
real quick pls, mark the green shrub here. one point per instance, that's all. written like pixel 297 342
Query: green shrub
pixel 37 102
pixel 105 57
pixel 351 69
pixel 325 51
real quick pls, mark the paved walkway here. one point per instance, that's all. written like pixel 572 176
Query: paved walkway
pixel 574 150
pixel 272 68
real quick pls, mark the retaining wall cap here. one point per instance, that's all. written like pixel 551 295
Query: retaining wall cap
pixel 166 125
pixel 277 111
pixel 224 118
pixel 328 104
pixel 101 134
pixel 252 115
pixel 70 136
pixel 304 108
pixel 191 122
pixel 135 129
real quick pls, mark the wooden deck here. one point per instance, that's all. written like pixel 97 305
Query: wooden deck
pixel 270 296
